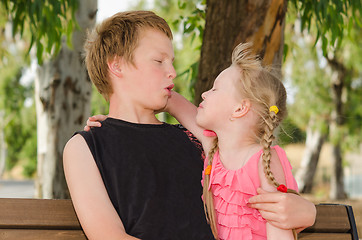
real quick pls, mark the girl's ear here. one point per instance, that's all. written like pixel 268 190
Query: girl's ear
pixel 242 108
pixel 114 66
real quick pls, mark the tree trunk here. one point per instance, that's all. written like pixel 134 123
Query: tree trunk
pixel 337 121
pixel 337 191
pixel 63 93
pixel 2 145
pixel 231 22
pixel 305 174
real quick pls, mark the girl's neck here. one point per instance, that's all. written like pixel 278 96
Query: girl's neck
pixel 236 149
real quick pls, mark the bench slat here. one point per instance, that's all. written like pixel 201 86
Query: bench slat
pixel 324 236
pixel 12 234
pixel 38 214
pixel 331 218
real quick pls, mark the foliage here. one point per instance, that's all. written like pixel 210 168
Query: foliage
pixel 190 23
pixel 19 120
pixel 329 18
pixel 46 20
pixel 311 76
pixel 99 105
pixel 290 132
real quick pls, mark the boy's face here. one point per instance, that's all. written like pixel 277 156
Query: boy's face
pixel 149 82
pixel 219 102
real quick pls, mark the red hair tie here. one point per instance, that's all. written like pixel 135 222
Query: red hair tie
pixel 282 188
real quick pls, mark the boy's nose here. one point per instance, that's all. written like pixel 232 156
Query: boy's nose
pixel 172 73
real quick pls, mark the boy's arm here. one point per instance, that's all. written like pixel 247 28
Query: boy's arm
pixel 284 210
pixel 185 112
pixel 94 209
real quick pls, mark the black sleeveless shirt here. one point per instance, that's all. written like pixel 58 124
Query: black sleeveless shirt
pixel 152 175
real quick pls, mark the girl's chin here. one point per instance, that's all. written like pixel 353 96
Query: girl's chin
pixel 200 122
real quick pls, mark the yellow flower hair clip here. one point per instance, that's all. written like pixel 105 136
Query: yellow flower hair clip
pixel 274 109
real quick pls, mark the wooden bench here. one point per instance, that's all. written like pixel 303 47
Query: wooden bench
pixel 333 221
pixel 42 219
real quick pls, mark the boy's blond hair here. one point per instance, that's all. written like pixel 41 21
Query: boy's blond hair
pixel 117 36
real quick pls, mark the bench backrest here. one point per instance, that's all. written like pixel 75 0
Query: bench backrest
pixel 56 219
pixel 333 221
pixel 39 219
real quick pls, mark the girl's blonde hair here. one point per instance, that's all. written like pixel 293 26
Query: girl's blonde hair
pixel 263 88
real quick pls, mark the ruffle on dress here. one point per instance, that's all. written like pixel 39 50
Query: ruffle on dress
pixel 231 191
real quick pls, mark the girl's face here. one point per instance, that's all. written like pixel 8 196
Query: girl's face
pixel 220 101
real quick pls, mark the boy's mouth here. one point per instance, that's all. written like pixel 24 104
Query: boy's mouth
pixel 169 88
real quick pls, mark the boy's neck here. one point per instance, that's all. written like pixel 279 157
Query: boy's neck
pixel 132 114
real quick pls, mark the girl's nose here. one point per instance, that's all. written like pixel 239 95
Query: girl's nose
pixel 203 95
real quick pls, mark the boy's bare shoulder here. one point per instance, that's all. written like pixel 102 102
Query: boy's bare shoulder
pixel 75 145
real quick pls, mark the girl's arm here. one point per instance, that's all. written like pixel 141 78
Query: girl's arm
pixel 274 232
pixel 180 108
pixel 283 210
pixel 185 112
pixel 94 209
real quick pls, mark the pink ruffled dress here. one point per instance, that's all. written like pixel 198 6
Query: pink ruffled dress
pixel 233 188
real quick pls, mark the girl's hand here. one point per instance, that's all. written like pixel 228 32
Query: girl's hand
pixel 284 210
pixel 94 121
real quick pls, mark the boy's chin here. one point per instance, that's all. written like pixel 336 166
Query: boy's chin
pixel 160 107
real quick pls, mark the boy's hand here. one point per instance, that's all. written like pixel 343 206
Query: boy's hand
pixel 94 121
pixel 284 210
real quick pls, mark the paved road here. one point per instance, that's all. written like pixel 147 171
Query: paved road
pixel 16 189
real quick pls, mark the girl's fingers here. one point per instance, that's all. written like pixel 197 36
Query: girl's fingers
pixel 98 117
pixel 92 123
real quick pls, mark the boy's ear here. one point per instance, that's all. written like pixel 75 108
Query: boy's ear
pixel 242 109
pixel 114 66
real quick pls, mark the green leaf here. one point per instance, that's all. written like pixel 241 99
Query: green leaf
pixel 39 52
pixel 285 51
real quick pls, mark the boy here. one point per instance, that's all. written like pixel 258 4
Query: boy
pixel 135 177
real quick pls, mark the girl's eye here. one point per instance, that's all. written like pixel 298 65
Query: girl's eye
pixel 159 61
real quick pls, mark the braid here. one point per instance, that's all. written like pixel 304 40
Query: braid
pixel 266 142
pixel 263 87
pixel 207 195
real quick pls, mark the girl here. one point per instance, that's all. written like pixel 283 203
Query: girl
pixel 241 111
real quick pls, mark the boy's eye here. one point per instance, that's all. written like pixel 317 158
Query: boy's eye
pixel 159 61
